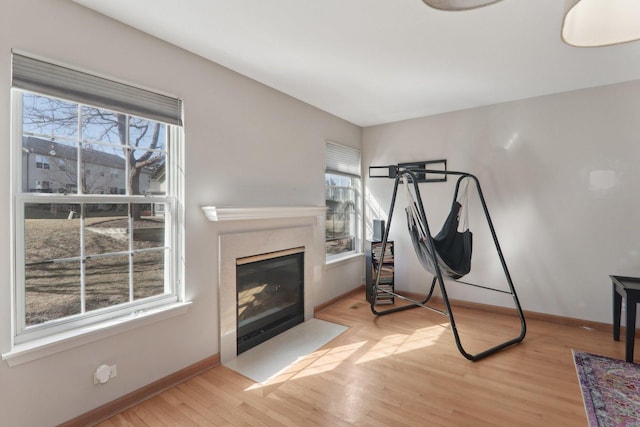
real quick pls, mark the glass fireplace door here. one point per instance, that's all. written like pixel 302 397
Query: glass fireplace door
pixel 270 296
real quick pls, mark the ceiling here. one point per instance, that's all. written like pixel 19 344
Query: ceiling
pixel 378 61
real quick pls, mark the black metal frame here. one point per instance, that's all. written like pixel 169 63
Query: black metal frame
pixel 401 172
pixel 419 167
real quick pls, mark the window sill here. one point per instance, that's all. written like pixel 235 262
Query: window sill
pixel 37 349
pixel 335 262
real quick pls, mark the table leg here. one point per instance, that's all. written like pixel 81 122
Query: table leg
pixel 631 329
pixel 617 307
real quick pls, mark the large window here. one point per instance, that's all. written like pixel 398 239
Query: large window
pixel 343 201
pixel 96 234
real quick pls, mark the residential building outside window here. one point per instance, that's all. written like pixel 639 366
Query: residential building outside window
pixel 343 200
pixel 91 249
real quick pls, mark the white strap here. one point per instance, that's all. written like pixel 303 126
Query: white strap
pixel 412 207
pixel 463 198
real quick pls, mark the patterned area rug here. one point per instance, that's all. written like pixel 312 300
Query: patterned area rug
pixel 610 390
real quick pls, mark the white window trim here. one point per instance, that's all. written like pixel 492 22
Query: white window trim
pixel 45 341
pixel 52 344
pixel 335 260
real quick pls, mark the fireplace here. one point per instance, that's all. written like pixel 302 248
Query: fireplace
pixel 270 295
pixel 237 243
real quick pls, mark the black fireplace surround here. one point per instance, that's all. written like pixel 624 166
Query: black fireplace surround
pixel 270 296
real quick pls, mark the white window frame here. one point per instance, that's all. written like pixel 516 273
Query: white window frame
pixel 98 319
pixel 345 161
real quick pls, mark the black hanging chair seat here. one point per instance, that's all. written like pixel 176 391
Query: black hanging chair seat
pixel 452 247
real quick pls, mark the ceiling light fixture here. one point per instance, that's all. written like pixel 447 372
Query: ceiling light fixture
pixel 459 4
pixel 593 23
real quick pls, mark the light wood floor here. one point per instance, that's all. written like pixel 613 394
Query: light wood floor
pixel 398 370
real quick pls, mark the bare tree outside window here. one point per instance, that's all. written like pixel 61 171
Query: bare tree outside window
pixel 90 255
pixel 113 140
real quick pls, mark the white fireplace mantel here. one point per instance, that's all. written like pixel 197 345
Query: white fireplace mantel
pixel 217 213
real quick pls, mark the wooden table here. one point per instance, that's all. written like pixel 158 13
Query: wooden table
pixel 629 288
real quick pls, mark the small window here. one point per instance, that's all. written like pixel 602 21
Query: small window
pixel 42 162
pixel 343 201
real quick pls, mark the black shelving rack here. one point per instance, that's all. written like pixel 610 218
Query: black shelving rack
pixel 376 261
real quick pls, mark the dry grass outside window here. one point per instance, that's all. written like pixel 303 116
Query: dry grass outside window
pixel 53 288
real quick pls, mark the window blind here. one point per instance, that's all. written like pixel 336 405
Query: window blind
pixel 42 77
pixel 342 159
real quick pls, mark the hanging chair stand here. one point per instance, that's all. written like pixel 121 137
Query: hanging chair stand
pixel 415 175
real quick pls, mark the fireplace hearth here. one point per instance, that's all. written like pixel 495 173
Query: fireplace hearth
pixel 270 295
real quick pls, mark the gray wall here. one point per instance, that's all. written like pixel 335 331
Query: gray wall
pixel 559 174
pixel 561 179
pixel 246 144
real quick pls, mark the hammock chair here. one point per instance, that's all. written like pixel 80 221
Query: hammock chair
pixel 452 246
pixel 447 255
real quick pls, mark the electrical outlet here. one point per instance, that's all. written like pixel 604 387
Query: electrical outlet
pixel 104 373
